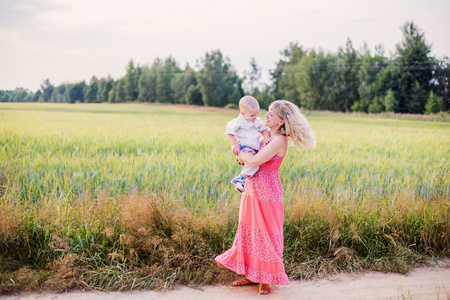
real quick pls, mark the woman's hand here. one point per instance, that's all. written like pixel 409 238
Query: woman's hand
pixel 277 146
pixel 267 141
pixel 240 161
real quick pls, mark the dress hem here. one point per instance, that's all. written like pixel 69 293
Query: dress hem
pixel 253 275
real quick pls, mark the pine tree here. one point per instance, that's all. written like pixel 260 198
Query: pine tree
pixel 90 95
pixel 130 84
pixel 418 97
pixel 346 82
pixel 433 105
pixel 412 70
pixel 441 80
pixel 376 106
pixel 390 102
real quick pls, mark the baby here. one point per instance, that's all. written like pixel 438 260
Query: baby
pixel 243 133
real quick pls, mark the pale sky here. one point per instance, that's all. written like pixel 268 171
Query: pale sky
pixel 69 41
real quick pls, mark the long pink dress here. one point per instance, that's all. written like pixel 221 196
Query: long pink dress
pixel 257 250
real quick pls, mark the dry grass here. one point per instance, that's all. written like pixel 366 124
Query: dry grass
pixel 145 240
pixel 393 235
pixel 139 240
pixel 9 220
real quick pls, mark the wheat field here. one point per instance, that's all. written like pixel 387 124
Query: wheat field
pixel 141 193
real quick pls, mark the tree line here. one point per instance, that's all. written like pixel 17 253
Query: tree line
pixel 411 81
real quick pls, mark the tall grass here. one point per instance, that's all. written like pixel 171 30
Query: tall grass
pixel 137 196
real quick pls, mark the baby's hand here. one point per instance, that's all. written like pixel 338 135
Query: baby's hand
pixel 236 149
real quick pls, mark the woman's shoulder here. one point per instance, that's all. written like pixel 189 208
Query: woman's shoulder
pixel 280 143
pixel 280 139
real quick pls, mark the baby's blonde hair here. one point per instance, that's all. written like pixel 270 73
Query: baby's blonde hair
pixel 296 127
pixel 248 102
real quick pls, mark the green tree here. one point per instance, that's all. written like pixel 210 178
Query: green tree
pixel 179 89
pixel 376 106
pixel 112 93
pixel 29 97
pixel 282 75
pixel 390 103
pixel 264 96
pixel 416 103
pixel 131 82
pixel 4 97
pixel 441 80
pixel 190 76
pixel 181 82
pixel 120 91
pixel 433 105
pixel 412 67
pixel 383 82
pixel 314 81
pixel 194 95
pixel 375 78
pixel 346 82
pixel 59 94
pixel 147 82
pixel 104 87
pixel 218 81
pixel 17 95
pixel 76 92
pixel 107 89
pixel 364 88
pixel 90 95
pixel 101 88
pixel 47 90
pixel 252 78
pixel 36 96
pixel 165 74
pixel 147 86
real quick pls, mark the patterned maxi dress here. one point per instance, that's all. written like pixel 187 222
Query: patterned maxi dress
pixel 257 250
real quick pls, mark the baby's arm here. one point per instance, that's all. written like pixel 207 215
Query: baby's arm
pixel 235 147
pixel 266 136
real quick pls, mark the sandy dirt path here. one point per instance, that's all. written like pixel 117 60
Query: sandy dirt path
pixel 420 283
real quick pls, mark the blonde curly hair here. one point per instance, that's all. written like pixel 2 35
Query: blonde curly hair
pixel 296 128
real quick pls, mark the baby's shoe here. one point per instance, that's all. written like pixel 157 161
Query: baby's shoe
pixel 239 183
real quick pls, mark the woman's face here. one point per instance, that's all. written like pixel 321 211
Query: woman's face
pixel 272 119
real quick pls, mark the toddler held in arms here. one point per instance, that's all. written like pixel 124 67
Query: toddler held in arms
pixel 244 134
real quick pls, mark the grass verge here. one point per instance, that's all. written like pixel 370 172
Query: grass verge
pixel 144 240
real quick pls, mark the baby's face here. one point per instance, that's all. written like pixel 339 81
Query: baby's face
pixel 250 114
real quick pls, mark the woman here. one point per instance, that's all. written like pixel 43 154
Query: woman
pixel 257 251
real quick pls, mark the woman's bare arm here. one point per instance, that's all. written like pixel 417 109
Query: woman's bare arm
pixel 276 147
